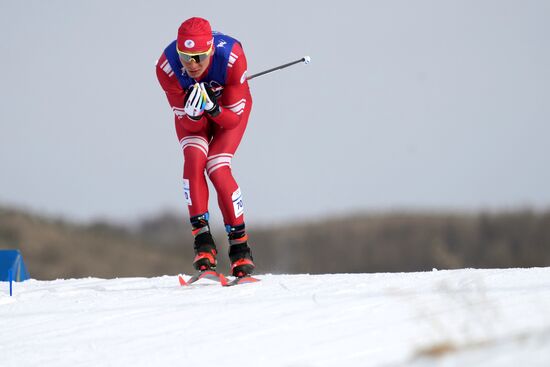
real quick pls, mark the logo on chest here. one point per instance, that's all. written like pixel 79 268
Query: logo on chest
pixel 216 87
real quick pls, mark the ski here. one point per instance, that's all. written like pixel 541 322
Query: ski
pixel 238 280
pixel 206 274
pixel 218 277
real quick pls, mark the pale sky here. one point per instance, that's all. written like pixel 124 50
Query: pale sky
pixel 406 104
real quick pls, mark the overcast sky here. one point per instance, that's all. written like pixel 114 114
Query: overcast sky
pixel 406 104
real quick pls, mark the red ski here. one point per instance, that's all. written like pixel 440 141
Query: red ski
pixel 218 277
pixel 207 274
pixel 239 280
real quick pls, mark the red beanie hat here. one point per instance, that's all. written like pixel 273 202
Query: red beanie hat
pixel 194 36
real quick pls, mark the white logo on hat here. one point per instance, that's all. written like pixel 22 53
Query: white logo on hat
pixel 189 43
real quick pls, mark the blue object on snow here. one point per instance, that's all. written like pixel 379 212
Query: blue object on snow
pixel 12 260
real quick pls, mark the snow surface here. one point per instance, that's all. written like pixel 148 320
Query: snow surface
pixel 467 317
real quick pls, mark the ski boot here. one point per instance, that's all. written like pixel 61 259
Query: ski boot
pixel 242 264
pixel 205 253
pixel 204 246
pixel 204 262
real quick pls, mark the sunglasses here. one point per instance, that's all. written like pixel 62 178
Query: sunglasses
pixel 200 57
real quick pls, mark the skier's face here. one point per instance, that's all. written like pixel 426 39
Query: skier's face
pixel 196 65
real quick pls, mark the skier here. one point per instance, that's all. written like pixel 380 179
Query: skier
pixel 204 76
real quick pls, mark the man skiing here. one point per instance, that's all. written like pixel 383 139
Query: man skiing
pixel 204 76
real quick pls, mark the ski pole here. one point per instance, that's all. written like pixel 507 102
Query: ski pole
pixel 305 59
pixel 10 278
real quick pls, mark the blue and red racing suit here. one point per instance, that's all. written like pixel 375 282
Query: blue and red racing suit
pixel 210 143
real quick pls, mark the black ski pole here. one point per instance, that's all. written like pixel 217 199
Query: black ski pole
pixel 305 59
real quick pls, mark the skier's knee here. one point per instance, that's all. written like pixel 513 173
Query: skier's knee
pixel 218 161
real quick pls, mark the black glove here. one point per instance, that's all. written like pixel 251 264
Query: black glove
pixel 212 107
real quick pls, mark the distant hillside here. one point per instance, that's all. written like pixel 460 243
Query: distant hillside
pixel 409 242
pixel 59 249
pixel 56 248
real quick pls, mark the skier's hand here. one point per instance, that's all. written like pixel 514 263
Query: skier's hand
pixel 194 103
pixel 211 106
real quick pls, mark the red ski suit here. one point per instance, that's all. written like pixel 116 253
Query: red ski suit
pixel 210 143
